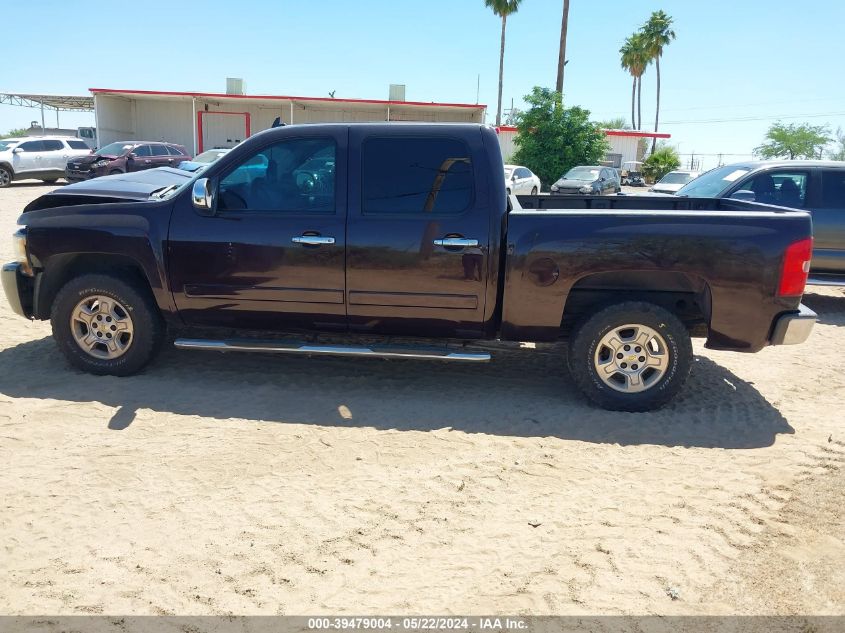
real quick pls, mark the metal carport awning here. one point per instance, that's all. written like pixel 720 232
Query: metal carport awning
pixel 54 103
pixel 60 103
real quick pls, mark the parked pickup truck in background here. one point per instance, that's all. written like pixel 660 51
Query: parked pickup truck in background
pixel 815 186
pixel 406 229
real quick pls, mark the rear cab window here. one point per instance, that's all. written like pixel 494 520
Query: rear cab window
pixel 414 175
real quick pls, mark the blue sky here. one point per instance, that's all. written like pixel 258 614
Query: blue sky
pixel 754 60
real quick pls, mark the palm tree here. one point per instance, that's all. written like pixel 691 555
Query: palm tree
pixel 561 58
pixel 502 8
pixel 635 60
pixel 658 34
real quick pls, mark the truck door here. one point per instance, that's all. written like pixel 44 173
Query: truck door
pixel 828 210
pixel 271 254
pixel 418 232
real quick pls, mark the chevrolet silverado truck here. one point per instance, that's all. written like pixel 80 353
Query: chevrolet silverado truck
pixel 377 231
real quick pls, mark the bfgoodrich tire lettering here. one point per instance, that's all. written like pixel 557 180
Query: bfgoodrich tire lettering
pixel 669 373
pixel 135 303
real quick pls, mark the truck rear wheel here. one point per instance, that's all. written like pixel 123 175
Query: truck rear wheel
pixel 106 325
pixel 631 356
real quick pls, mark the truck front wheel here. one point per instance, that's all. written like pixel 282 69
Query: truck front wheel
pixel 106 325
pixel 631 356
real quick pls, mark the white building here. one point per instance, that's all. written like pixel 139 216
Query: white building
pixel 203 120
pixel 623 143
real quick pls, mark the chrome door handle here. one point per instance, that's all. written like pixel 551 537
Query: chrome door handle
pixel 312 240
pixel 453 242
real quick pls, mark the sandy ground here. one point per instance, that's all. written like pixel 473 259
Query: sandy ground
pixel 252 485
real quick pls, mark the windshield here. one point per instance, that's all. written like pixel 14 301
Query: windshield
pixel 113 149
pixel 208 157
pixel 675 178
pixel 714 182
pixel 4 145
pixel 587 174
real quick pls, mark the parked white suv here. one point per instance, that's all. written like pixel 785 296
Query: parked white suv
pixel 43 157
pixel 521 180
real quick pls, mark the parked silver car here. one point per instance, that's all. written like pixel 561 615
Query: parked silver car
pixel 43 158
pixel 521 180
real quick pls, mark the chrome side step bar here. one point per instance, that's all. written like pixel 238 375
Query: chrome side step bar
pixel 827 280
pixel 297 347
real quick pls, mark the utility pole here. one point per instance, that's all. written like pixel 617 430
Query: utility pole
pixel 561 57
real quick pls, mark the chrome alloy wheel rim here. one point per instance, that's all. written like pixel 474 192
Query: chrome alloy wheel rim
pixel 631 358
pixel 102 327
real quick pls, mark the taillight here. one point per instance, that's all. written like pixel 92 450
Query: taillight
pixel 796 268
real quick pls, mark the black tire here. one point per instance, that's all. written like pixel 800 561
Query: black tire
pixel 148 326
pixel 534 191
pixel 49 181
pixel 587 336
pixel 6 176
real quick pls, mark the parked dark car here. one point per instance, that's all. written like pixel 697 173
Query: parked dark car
pixel 814 186
pixel 588 180
pixel 409 232
pixel 125 156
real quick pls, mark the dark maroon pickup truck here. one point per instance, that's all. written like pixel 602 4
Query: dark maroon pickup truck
pixel 406 229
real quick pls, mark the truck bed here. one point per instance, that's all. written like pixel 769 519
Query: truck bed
pixel 641 203
pixel 722 258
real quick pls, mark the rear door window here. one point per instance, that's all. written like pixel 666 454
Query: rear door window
pixel 159 150
pixel 416 175
pixel 51 145
pixel 173 151
pixel 833 189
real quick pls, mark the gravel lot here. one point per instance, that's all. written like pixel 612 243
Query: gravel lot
pixel 218 484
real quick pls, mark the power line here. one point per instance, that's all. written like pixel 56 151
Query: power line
pixel 755 118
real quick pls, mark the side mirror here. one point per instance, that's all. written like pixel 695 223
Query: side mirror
pixel 745 195
pixel 202 196
pixel 513 178
pixel 17 150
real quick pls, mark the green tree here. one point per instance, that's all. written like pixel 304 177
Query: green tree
pixel 658 34
pixel 502 8
pixel 553 139
pixel 838 153
pixel 661 161
pixel 635 60
pixel 794 141
pixel 561 56
pixel 618 123
pixel 16 133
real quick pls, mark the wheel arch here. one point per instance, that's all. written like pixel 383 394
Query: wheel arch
pixel 685 295
pixel 62 268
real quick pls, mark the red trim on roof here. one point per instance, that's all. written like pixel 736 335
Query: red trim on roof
pixel 216 95
pixel 637 133
pixel 507 128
